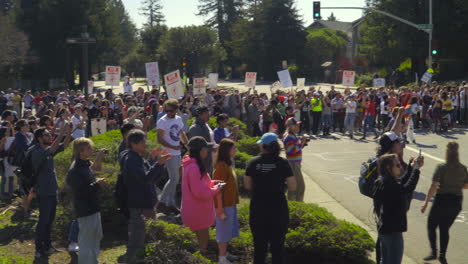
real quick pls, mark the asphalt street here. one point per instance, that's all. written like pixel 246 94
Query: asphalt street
pixel 334 164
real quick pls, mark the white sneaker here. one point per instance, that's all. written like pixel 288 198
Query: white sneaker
pixel 73 247
pixel 224 260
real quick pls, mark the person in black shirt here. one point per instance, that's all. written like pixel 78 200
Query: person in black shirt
pixel 266 176
pixel 85 189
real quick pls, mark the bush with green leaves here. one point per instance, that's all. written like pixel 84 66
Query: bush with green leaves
pixel 248 145
pixel 242 159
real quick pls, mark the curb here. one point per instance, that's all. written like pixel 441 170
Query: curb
pixel 315 194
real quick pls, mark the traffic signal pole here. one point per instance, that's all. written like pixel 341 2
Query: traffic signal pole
pixel 427 30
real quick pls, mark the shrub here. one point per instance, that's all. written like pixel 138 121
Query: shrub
pixel 241 159
pixel 249 145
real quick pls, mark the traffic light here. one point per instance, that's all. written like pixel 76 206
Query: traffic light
pixel 317 14
pixel 184 62
pixel 435 47
pixel 434 52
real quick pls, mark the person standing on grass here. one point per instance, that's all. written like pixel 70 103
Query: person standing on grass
pixel 293 146
pixel 227 222
pixel 448 182
pixel 198 192
pixel 265 178
pixel 85 189
pixel 42 156
pixel 139 177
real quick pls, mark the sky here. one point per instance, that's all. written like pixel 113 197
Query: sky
pixel 183 12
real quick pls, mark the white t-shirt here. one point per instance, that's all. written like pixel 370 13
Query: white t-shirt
pixel 8 97
pixel 128 87
pixel 351 107
pixel 78 132
pixel 172 128
pixel 383 109
pixel 27 99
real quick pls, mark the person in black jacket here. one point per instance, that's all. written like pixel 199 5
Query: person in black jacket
pixel 391 204
pixel 139 178
pixel 85 189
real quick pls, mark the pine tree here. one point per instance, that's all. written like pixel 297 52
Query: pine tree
pixel 152 10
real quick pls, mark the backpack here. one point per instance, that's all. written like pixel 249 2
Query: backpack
pixel 368 177
pixel 25 173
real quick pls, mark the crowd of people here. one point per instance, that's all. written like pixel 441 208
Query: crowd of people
pixel 36 127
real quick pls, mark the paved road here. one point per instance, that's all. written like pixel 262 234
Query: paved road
pixel 334 164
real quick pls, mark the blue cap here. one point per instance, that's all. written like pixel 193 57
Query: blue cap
pixel 267 138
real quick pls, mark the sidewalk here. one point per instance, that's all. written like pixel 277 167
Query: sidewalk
pixel 315 194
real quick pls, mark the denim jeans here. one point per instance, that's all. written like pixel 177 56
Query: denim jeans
pixel 326 121
pixel 369 122
pixel 7 185
pixel 349 122
pixel 89 239
pixel 169 191
pixel 74 231
pixel 392 247
pixel 47 208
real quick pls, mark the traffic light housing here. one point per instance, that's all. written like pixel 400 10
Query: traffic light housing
pixel 317 14
pixel 435 48
pixel 184 62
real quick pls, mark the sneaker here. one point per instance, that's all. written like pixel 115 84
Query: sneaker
pixel 224 260
pixel 443 260
pixel 430 257
pixel 73 247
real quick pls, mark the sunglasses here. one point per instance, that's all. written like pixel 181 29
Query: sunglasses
pixel 169 111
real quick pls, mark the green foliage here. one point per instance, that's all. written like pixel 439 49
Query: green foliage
pixel 249 145
pixel 365 79
pixel 241 159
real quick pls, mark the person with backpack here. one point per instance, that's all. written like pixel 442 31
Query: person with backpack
pixel 139 176
pixel 391 204
pixel 45 183
pixel 448 183
pixel 85 189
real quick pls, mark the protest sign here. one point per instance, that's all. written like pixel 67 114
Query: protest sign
pixel 90 87
pixel 427 77
pixel 113 75
pixel 379 82
pixel 285 79
pixel 199 88
pixel 174 87
pixel 98 126
pixel 213 80
pixel 348 78
pixel 300 83
pixel 152 73
pixel 250 79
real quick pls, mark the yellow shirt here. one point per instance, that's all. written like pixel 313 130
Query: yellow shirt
pixel 317 108
pixel 447 105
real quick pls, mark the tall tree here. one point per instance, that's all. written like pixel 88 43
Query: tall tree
pixel 152 10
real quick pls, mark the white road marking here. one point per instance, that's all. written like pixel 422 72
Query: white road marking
pixel 424 154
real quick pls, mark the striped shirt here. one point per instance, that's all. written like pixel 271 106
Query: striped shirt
pixel 293 147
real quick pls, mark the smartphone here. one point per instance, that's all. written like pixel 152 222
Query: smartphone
pixel 221 184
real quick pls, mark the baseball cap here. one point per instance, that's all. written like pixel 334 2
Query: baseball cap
pixel 316 94
pixel 268 138
pixel 197 143
pixel 292 121
pixel 387 139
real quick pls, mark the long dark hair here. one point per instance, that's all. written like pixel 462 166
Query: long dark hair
pixel 224 151
pixel 195 153
pixel 272 149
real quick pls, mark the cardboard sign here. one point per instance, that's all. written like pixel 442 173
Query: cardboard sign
pixel 427 77
pixel 90 87
pixel 152 73
pixel 300 83
pixel 213 80
pixel 113 75
pixel 285 79
pixel 174 87
pixel 199 88
pixel 250 79
pixel 348 78
pixel 380 82
pixel 98 126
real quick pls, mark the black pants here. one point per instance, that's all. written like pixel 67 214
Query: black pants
pixel 305 122
pixel 338 121
pixel 444 211
pixel 316 117
pixel 269 229
pixel 47 208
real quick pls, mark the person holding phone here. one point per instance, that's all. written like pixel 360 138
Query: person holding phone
pixel 227 222
pixel 198 192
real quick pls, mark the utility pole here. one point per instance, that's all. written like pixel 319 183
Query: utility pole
pixel 84 40
pixel 428 28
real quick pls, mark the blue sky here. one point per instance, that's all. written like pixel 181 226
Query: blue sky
pixel 182 12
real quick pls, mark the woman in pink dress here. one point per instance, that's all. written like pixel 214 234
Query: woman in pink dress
pixel 198 191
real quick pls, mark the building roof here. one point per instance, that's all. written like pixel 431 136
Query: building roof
pixel 336 25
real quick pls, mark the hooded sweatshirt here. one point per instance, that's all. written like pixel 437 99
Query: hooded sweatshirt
pixel 198 191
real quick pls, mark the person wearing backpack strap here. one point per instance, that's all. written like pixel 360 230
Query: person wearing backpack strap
pixel 46 187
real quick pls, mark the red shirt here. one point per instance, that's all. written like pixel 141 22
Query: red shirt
pixel 371 108
pixel 405 98
pixel 37 99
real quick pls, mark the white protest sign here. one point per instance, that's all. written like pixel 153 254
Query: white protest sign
pixel 98 126
pixel 285 79
pixel 152 73
pixel 427 77
pixel 113 75
pixel 276 86
pixel 250 79
pixel 90 87
pixel 379 82
pixel 199 88
pixel 300 83
pixel 213 80
pixel 348 78
pixel 174 88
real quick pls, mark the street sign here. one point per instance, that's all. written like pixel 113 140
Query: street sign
pixel 152 73
pixel 426 26
pixel 348 78
pixel 250 79
pixel 113 75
